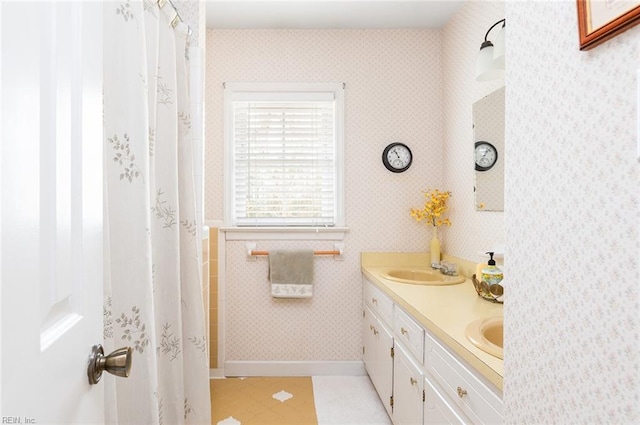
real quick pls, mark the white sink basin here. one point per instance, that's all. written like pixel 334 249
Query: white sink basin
pixel 420 276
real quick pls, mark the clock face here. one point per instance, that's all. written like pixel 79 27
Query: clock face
pixel 397 157
pixel 486 156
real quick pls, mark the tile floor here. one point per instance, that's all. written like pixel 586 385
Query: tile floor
pixel 318 400
pixel 348 400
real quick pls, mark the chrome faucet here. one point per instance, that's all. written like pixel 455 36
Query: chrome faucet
pixel 445 267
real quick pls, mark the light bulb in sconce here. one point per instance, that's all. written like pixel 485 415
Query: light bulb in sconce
pixel 498 48
pixel 490 62
pixel 485 70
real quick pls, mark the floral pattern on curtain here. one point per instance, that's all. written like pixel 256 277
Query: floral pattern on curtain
pixel 153 291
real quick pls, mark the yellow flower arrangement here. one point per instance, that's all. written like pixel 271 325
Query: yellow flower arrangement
pixel 434 208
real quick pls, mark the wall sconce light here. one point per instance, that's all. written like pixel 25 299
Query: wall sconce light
pixel 490 62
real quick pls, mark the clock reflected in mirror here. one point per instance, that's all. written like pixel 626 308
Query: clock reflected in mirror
pixel 486 156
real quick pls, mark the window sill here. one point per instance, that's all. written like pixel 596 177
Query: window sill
pixel 284 233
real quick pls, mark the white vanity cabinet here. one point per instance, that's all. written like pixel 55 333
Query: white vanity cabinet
pixel 425 382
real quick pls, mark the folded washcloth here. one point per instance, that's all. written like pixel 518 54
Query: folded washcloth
pixel 291 273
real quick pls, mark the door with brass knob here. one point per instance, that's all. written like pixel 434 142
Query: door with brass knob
pixel 117 363
pixel 52 210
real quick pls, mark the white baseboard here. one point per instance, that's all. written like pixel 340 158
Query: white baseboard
pixel 216 373
pixel 294 368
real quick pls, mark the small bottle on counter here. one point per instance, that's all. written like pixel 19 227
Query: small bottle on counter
pixel 491 274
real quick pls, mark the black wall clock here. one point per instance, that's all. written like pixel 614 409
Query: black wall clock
pixel 397 157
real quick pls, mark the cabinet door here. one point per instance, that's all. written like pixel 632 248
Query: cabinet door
pixel 377 342
pixel 368 342
pixel 408 384
pixel 437 411
pixel 384 365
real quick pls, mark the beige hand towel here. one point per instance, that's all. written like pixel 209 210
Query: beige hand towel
pixel 291 273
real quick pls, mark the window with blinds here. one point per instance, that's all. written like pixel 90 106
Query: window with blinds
pixel 285 158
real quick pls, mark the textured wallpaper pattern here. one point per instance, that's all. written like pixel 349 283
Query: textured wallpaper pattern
pixel 393 93
pixel 572 222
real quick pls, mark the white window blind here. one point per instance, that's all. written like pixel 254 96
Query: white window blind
pixel 284 159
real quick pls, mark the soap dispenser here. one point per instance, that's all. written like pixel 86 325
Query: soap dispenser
pixel 491 274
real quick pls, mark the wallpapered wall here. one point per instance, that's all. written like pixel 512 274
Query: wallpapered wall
pixel 393 93
pixel 572 220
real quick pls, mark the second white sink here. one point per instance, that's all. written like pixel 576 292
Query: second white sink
pixel 420 276
pixel 488 335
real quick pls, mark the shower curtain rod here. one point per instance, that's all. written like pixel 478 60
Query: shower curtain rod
pixel 177 19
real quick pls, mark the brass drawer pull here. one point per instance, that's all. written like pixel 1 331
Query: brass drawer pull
pixel 461 392
pixel 413 381
pixel 374 301
pixel 403 331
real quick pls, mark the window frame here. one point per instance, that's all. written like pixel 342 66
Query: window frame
pixel 235 90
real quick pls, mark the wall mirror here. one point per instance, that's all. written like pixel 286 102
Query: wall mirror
pixel 488 131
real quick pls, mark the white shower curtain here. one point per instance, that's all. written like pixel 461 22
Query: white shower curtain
pixel 153 293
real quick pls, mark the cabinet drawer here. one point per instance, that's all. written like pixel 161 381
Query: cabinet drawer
pixel 438 410
pixel 472 396
pixel 378 302
pixel 409 332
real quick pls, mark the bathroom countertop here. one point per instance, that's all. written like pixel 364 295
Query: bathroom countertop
pixel 444 310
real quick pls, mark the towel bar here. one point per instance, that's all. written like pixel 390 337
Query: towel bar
pixel 333 252
pixel 337 251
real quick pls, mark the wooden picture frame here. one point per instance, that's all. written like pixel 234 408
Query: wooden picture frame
pixel 600 20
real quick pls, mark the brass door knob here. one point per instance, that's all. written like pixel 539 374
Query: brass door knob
pixel 117 363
